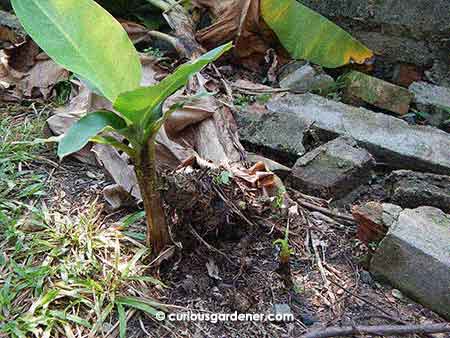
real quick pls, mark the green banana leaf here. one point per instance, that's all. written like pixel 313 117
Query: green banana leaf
pixel 86 128
pixel 139 106
pixel 84 38
pixel 307 35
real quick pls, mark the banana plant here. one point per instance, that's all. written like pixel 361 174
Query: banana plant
pixel 85 39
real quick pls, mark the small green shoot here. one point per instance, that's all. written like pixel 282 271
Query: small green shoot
pixel 155 52
pixel 278 202
pixel 62 89
pixel 285 249
pixel 224 178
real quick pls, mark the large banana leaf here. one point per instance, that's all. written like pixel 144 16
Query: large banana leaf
pixel 84 38
pixel 307 35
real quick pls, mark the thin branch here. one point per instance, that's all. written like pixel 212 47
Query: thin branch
pixel 379 330
pixel 209 246
pixel 161 4
pixel 326 211
pixel 165 37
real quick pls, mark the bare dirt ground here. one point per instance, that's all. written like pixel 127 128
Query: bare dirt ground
pixel 330 285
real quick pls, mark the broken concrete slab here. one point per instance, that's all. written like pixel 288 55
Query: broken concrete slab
pixel 376 92
pixel 260 131
pixel 390 140
pixel 374 220
pixel 411 189
pixel 307 79
pixel 415 258
pixel 333 169
pixel 433 100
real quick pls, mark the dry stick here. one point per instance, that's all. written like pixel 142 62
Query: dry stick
pixel 209 246
pixel 380 330
pixel 379 308
pixel 326 211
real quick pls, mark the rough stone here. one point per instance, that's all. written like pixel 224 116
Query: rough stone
pixel 259 131
pixel 411 189
pixel 332 170
pixel 417 18
pixel 307 79
pixel 390 140
pixel 374 219
pixel 410 31
pixel 366 277
pixel 282 309
pixel 397 49
pixel 433 100
pixel 415 258
pixel 377 92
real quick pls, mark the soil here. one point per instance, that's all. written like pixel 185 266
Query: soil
pixel 248 280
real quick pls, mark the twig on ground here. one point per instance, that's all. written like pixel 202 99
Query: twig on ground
pixel 209 246
pixel 326 211
pixel 380 330
pixel 390 315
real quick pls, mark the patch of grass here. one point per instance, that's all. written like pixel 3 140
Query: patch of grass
pixel 62 272
pixel 155 52
pixel 242 100
pixel 263 98
pixel 62 89
pixel 68 271
pixel 18 180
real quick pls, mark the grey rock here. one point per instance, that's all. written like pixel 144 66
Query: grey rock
pixel 390 140
pixel 366 277
pixel 390 214
pixel 333 170
pixel 274 135
pixel 411 189
pixel 415 258
pixel 440 72
pixel 308 319
pixel 414 31
pixel 10 21
pixel 290 67
pixel 417 18
pixel 307 79
pixel 395 48
pixel 432 99
pixel 281 309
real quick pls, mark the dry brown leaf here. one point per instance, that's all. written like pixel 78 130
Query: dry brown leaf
pixel 238 21
pixel 31 73
pixel 41 79
pixel 136 32
pixel 21 57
